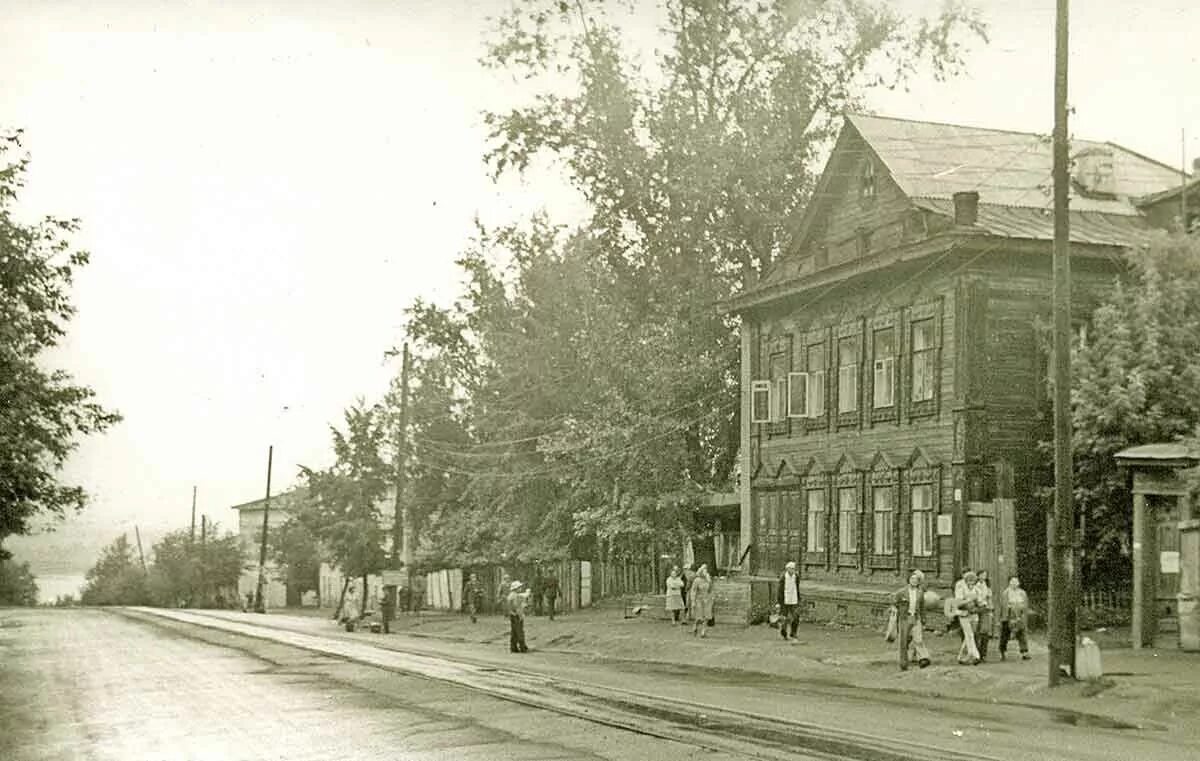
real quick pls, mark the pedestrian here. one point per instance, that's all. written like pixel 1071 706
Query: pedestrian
pixel 788 599
pixel 387 606
pixel 550 592
pixel 910 621
pixel 675 594
pixel 689 573
pixel 516 605
pixel 1014 617
pixel 966 607
pixel 474 596
pixel 701 601
pixel 537 591
pixel 984 599
pixel 350 609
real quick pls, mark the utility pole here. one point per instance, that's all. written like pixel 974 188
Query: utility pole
pixel 1062 531
pixel 400 518
pixel 259 606
pixel 1183 178
pixel 192 535
pixel 203 556
pixel 141 556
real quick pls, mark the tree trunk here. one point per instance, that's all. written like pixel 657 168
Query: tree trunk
pixel 337 614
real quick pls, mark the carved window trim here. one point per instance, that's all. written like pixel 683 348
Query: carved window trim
pixel 880 479
pixel 930 476
pixel 779 350
pixel 809 341
pixel 851 418
pixel 931 310
pixel 875 325
pixel 849 481
pixel 816 483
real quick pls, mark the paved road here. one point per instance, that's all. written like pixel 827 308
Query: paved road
pixel 979 726
pixel 86 684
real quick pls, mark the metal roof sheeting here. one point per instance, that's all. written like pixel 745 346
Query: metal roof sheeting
pixel 1038 224
pixel 931 160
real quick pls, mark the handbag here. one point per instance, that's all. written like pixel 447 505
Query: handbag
pixel 890 632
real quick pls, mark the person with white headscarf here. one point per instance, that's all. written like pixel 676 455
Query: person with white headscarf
pixel 788 599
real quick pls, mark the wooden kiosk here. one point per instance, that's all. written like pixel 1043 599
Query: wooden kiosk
pixel 1160 503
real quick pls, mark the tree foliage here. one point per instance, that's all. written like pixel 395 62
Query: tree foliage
pixel 18 586
pixel 343 510
pixel 181 572
pixel 116 578
pixel 194 573
pixel 1136 381
pixel 297 553
pixel 44 412
pixel 587 380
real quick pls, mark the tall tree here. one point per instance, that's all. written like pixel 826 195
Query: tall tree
pixel 1136 381
pixel 344 511
pixel 600 372
pixel 44 412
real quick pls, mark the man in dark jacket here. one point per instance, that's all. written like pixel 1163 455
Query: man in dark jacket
pixel 788 599
pixel 550 592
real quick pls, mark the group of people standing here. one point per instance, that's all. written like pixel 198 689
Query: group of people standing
pixel 973 610
pixel 516 598
pixel 690 597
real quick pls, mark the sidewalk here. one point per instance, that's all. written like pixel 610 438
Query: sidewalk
pixel 1151 688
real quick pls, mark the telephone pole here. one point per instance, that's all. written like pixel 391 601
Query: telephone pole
pixel 400 517
pixel 259 606
pixel 192 534
pixel 1062 529
pixel 203 558
pixel 141 556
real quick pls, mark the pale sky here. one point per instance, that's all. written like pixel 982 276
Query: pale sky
pixel 265 186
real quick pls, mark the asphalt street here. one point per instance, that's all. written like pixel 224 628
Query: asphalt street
pixel 89 684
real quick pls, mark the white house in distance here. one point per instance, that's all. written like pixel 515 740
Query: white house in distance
pixel 275 591
pixel 250 519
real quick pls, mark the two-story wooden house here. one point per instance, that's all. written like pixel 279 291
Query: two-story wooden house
pixel 893 376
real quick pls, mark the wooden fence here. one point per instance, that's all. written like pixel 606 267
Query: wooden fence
pixel 580 582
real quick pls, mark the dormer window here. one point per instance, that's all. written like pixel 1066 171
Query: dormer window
pixel 866 181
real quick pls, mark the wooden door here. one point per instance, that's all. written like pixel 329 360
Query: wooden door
pixel 1165 557
pixel 982 552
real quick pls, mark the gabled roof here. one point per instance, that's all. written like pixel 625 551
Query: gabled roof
pixel 1011 171
pixel 282 501
pixel 1193 186
pixel 930 160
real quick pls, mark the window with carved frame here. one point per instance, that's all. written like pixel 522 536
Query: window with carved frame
pixel 816 364
pixel 884 372
pixel 847 487
pixel 924 359
pixel 847 359
pixel 815 488
pixel 923 488
pixel 884 507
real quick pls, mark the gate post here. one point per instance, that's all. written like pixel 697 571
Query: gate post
pixel 1155 469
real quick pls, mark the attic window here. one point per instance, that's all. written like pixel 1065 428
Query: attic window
pixel 866 181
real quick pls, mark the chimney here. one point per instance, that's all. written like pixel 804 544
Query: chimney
pixel 966 207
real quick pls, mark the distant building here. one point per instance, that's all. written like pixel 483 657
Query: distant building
pixel 250 520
